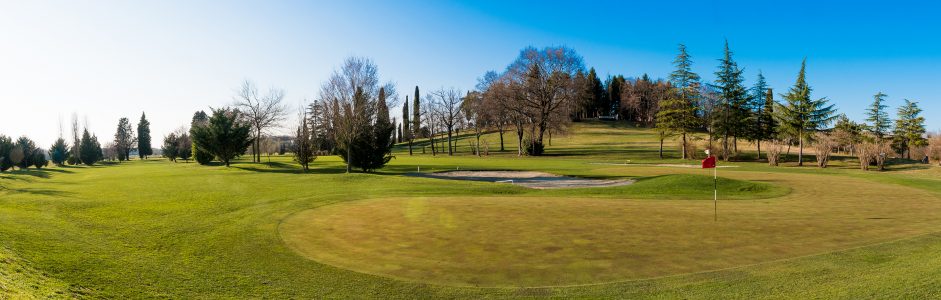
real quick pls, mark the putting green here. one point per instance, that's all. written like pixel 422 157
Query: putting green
pixel 552 241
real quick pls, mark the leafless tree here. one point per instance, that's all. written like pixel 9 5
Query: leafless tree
pixel 546 85
pixel 263 112
pixel 934 147
pixel 824 144
pixel 448 102
pixel 476 116
pixel 353 91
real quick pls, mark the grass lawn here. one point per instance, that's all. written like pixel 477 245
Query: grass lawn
pixel 146 229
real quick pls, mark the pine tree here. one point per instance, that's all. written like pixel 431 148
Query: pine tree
pixel 143 138
pixel 678 113
pixel 596 90
pixel 732 113
pixel 23 152
pixel 88 150
pixel 59 152
pixel 800 116
pixel 909 129
pixel 224 137
pixel 755 129
pixel 878 117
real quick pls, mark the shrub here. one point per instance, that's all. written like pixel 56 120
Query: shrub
pixel 774 152
pixel 824 147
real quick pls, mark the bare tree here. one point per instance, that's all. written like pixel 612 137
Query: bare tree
pixel 353 91
pixel 934 147
pixel 449 103
pixel 823 145
pixel 546 88
pixel 263 112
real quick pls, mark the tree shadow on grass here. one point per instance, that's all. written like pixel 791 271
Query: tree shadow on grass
pixel 286 168
pixel 37 191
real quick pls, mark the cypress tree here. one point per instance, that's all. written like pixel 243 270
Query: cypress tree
pixel 143 138
pixel 416 115
pixel 406 132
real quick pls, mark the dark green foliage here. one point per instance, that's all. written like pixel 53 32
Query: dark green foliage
pixel 89 149
pixel 224 137
pixel 304 144
pixel 678 112
pixel 878 116
pixel 23 152
pixel 171 147
pixel 200 119
pixel 124 139
pixel 370 147
pixel 184 146
pixel 800 117
pixel 405 133
pixel 909 129
pixel 38 159
pixel 6 147
pixel 416 114
pixel 731 114
pixel 143 138
pixel 59 152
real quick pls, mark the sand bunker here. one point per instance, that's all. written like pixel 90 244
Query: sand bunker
pixel 530 179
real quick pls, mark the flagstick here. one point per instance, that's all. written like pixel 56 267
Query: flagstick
pixel 715 193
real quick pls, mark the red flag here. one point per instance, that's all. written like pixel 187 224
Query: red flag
pixel 709 162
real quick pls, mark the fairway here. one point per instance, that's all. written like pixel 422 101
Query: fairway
pixel 555 241
pixel 260 230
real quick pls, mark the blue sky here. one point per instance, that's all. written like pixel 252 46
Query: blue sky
pixel 109 59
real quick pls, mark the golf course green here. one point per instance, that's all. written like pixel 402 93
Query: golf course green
pixel 158 229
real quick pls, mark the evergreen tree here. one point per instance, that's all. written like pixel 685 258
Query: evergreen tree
pixel 597 94
pixel 23 152
pixel 6 148
pixel 731 115
pixel 202 156
pixel 184 146
pixel 38 159
pixel 124 139
pixel 225 137
pixel 909 129
pixel 878 117
pixel 678 113
pixel 88 150
pixel 59 152
pixel 800 117
pixel 171 147
pixel 416 115
pixel 756 129
pixel 143 138
pixel 406 133
pixel 304 145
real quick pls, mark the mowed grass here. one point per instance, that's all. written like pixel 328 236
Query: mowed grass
pixel 156 229
pixel 552 241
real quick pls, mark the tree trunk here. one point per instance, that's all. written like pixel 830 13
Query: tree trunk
pixel 661 147
pixel 450 150
pixel 410 145
pixel 800 153
pixel 684 146
pixel 501 140
pixel 759 150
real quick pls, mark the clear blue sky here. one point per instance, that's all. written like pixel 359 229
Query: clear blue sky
pixel 108 59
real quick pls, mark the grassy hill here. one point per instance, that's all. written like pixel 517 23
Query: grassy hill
pixel 148 229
